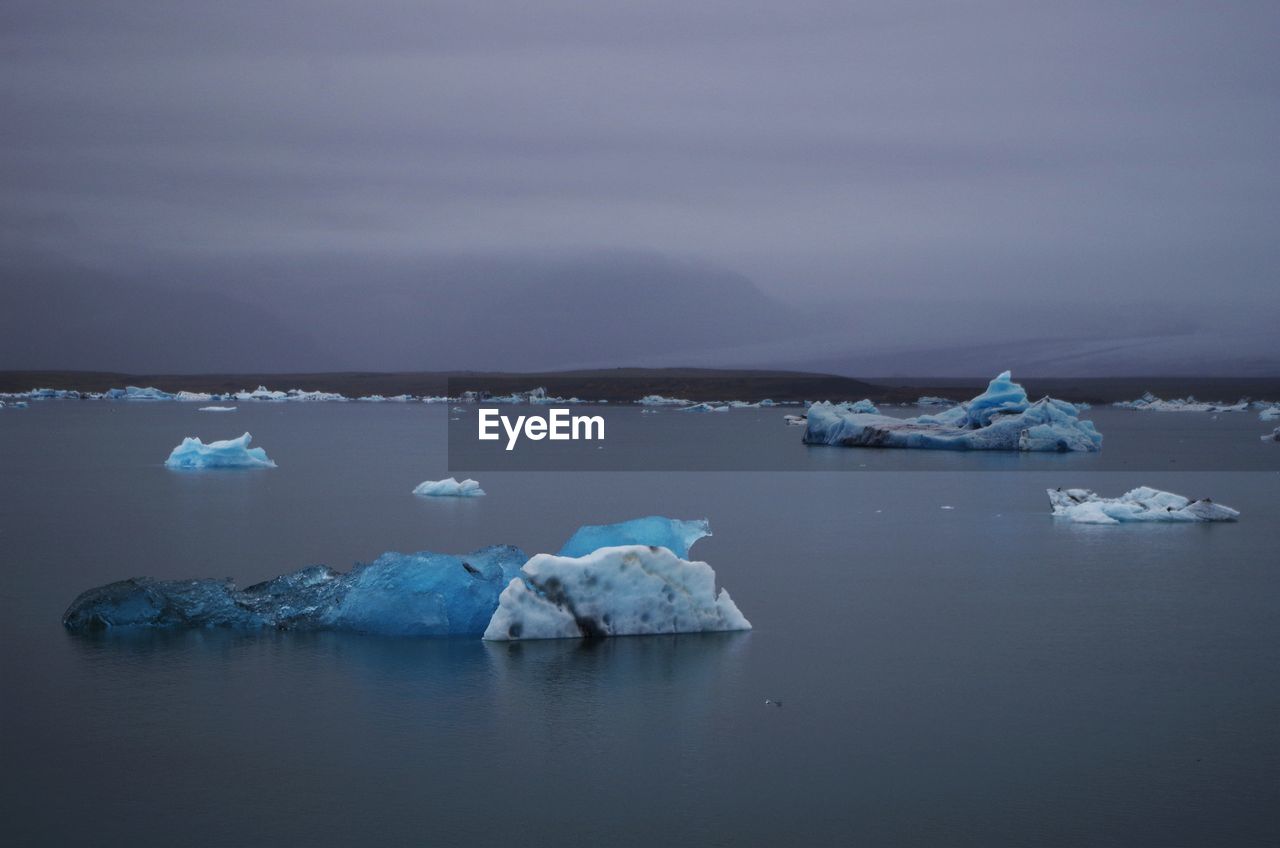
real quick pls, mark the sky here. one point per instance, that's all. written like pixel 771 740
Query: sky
pixel 1084 187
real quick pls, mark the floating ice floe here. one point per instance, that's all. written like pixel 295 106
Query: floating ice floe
pixel 795 420
pixel 632 589
pixel 229 453
pixel 659 400
pixel 1142 504
pixel 1001 418
pixel 202 397
pixel 449 488
pixel 1150 403
pixel 705 407
pixel 135 393
pixel 1274 437
pixel 217 409
pixel 420 594
pixel 1270 413
pixel 931 400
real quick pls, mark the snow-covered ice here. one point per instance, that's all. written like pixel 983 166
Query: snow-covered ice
pixel 1150 403
pixel 1001 418
pixel 449 488
pixel 1270 413
pixel 229 453
pixel 1274 437
pixel 217 409
pixel 619 591
pixel 1083 506
pixel 705 407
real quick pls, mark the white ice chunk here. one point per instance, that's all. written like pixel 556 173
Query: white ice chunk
pixel 659 400
pixel 449 488
pixel 230 453
pixel 620 591
pixel 1083 506
pixel 217 409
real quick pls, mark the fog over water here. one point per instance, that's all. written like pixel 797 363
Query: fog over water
pixel 871 188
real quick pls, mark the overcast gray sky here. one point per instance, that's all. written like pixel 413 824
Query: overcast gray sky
pixel 1022 168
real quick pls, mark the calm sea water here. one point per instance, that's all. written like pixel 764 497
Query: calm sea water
pixel 975 676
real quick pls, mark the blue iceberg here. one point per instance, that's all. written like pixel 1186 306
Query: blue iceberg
pixel 135 393
pixel 419 594
pixel 674 534
pixel 1001 418
pixel 229 453
pixel 634 579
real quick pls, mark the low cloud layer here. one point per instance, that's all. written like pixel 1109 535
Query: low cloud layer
pixel 899 179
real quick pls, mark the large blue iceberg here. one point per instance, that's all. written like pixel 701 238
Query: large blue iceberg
pixel 228 453
pixel 615 580
pixel 1001 418
pixel 420 594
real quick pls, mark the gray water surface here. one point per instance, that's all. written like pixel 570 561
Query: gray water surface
pixel 976 676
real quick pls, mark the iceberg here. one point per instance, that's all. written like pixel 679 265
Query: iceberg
pixel 1150 403
pixel 1274 437
pixel 795 420
pixel 216 409
pixel 674 534
pixel 704 407
pixel 419 594
pixel 204 397
pixel 135 393
pixel 1001 418
pixel 631 590
pixel 1142 504
pixel 1271 413
pixel 862 406
pixel 229 453
pixel 659 400
pixel 449 488
pixel 496 591
pixel 931 400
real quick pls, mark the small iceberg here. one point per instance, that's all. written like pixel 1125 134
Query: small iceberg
pixel 1142 504
pixel 659 400
pixel 1001 418
pixel 1274 437
pixel 705 407
pixel 229 453
pixel 217 409
pixel 135 393
pixel 449 488
pixel 675 534
pixel 632 590
pixel 1150 403
pixel 1270 413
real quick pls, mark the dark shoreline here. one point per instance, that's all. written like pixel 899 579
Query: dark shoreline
pixel 629 384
